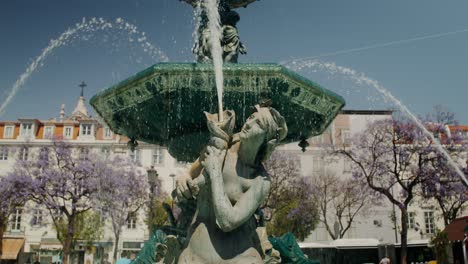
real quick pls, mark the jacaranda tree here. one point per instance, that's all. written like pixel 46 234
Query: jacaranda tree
pixel 123 190
pixel 340 200
pixel 396 159
pixel 290 206
pixel 69 182
pixel 444 183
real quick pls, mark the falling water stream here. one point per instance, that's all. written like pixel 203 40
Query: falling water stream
pixel 86 26
pixel 98 24
pixel 216 51
pixel 361 78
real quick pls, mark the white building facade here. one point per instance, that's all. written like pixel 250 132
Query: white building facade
pixel 22 138
pixel 375 222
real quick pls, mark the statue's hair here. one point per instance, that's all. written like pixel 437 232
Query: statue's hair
pixel 276 130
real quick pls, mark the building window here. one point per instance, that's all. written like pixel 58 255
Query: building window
pixel 56 212
pixel 15 221
pixel 131 220
pixel 86 129
pixel 3 153
pixel 68 132
pixel 411 221
pixel 8 133
pixel 157 156
pixel 404 158
pixel 23 153
pixel 48 131
pixel 134 156
pixel 105 151
pixel 347 165
pixel 131 246
pixel 44 154
pixel 346 136
pixel 108 133
pixel 26 129
pixel 84 153
pixel 317 165
pixel 429 222
pixel 36 217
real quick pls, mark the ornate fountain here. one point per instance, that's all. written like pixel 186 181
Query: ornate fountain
pixel 165 105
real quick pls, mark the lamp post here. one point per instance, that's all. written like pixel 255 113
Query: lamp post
pixel 172 175
pixel 465 254
pixel 152 179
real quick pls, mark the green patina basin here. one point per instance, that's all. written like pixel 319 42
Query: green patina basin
pixel 164 104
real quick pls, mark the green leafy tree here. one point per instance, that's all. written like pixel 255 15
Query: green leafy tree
pixel 157 215
pixel 88 226
pixel 440 245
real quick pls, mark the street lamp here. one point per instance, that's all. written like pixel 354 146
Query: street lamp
pixel 152 178
pixel 172 175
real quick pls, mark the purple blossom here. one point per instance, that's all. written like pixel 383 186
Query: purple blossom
pixel 72 182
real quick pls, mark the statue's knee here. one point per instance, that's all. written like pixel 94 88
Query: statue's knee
pixel 186 258
pixel 250 256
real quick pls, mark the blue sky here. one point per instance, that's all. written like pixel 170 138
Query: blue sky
pixel 420 73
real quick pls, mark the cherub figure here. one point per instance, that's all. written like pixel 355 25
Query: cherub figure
pixel 230 41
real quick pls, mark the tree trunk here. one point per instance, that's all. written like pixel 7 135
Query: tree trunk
pixel 3 224
pixel 116 245
pixel 68 243
pixel 404 235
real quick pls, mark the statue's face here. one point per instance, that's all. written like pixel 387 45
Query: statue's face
pixel 252 129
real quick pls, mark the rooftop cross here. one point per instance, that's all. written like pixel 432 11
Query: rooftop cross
pixel 80 109
pixel 82 85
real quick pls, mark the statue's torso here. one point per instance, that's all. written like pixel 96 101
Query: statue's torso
pixel 207 242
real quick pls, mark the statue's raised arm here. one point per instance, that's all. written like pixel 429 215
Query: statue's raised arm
pixel 230 3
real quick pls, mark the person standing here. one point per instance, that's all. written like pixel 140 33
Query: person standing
pixel 385 260
pixel 123 259
pixel 105 259
pixel 132 257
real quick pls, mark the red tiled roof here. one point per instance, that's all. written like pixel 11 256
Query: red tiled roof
pixel 459 127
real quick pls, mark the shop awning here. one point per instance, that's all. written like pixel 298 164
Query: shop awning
pixel 457 229
pixel 52 244
pixel 52 247
pixel 11 247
